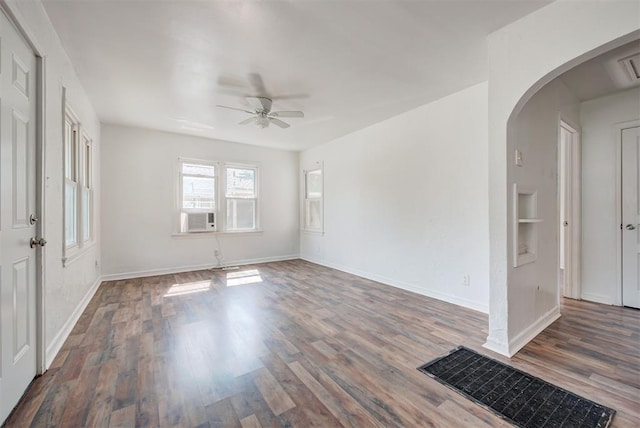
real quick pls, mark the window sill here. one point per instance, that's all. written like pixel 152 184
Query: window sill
pixel 214 234
pixel 77 253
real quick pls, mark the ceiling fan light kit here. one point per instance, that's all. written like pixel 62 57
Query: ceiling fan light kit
pixel 262 114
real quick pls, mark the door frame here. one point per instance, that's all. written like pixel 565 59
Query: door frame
pixel 15 17
pixel 617 138
pixel 573 261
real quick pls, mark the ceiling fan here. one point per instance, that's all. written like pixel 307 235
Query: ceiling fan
pixel 262 114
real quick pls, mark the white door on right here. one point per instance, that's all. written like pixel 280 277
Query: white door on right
pixel 630 217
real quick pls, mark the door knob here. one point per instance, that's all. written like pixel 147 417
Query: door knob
pixel 630 227
pixel 34 242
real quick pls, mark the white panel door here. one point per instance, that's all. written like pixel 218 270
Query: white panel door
pixel 17 203
pixel 630 217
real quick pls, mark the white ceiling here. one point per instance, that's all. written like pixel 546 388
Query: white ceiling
pixel 602 75
pixel 166 64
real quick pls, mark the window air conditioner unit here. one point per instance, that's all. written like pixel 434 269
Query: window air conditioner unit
pixel 201 222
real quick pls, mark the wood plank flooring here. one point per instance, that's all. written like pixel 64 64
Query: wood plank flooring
pixel 295 344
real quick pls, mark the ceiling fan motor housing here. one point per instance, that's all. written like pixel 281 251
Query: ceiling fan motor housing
pixel 263 114
pixel 262 120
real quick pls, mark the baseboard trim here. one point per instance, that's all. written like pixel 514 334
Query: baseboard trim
pixel 497 346
pixel 528 334
pixel 57 342
pixel 597 298
pixel 179 269
pixel 470 304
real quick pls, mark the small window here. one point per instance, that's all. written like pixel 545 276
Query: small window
pixel 241 198
pixel 313 200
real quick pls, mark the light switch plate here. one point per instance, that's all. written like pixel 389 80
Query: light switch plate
pixel 518 158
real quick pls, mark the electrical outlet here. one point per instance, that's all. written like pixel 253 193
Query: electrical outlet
pixel 466 280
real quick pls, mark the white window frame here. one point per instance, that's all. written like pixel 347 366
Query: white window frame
pixel 86 189
pixel 70 121
pixel 82 182
pixel 180 195
pixel 256 196
pixel 306 201
pixel 221 200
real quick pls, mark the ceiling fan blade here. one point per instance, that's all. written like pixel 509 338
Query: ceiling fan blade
pixel 278 122
pixel 258 84
pixel 286 114
pixel 232 92
pixel 239 109
pixel 260 104
pixel 247 121
pixel 289 97
pixel 255 103
pixel 233 80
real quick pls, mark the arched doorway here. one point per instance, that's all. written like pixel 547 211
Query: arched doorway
pixel 524 57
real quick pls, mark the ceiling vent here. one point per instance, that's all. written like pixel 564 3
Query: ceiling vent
pixel 631 65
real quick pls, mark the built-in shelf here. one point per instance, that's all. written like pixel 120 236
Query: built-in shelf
pixel 525 224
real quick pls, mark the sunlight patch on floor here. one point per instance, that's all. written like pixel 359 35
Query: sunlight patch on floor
pixel 249 276
pixel 188 288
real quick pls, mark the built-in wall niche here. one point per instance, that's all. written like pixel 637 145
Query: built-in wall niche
pixel 525 223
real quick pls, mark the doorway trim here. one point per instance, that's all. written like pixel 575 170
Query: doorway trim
pixel 14 16
pixel 575 217
pixel 617 138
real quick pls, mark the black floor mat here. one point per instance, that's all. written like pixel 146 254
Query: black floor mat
pixel 518 397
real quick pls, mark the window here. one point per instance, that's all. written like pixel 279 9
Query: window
pixel 87 190
pixel 200 210
pixel 78 187
pixel 313 201
pixel 198 186
pixel 197 196
pixel 70 180
pixel 241 198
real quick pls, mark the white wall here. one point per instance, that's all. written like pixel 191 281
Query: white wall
pixel 406 200
pixel 533 287
pixel 600 223
pixel 65 288
pixel 139 172
pixel 523 57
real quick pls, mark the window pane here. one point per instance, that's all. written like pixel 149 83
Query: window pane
pixel 70 151
pixel 313 218
pixel 241 214
pixel 86 214
pixel 196 169
pixel 67 149
pixel 198 192
pixel 70 213
pixel 314 184
pixel 241 183
pixel 87 164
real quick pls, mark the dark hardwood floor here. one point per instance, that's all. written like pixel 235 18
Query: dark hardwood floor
pixel 296 344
